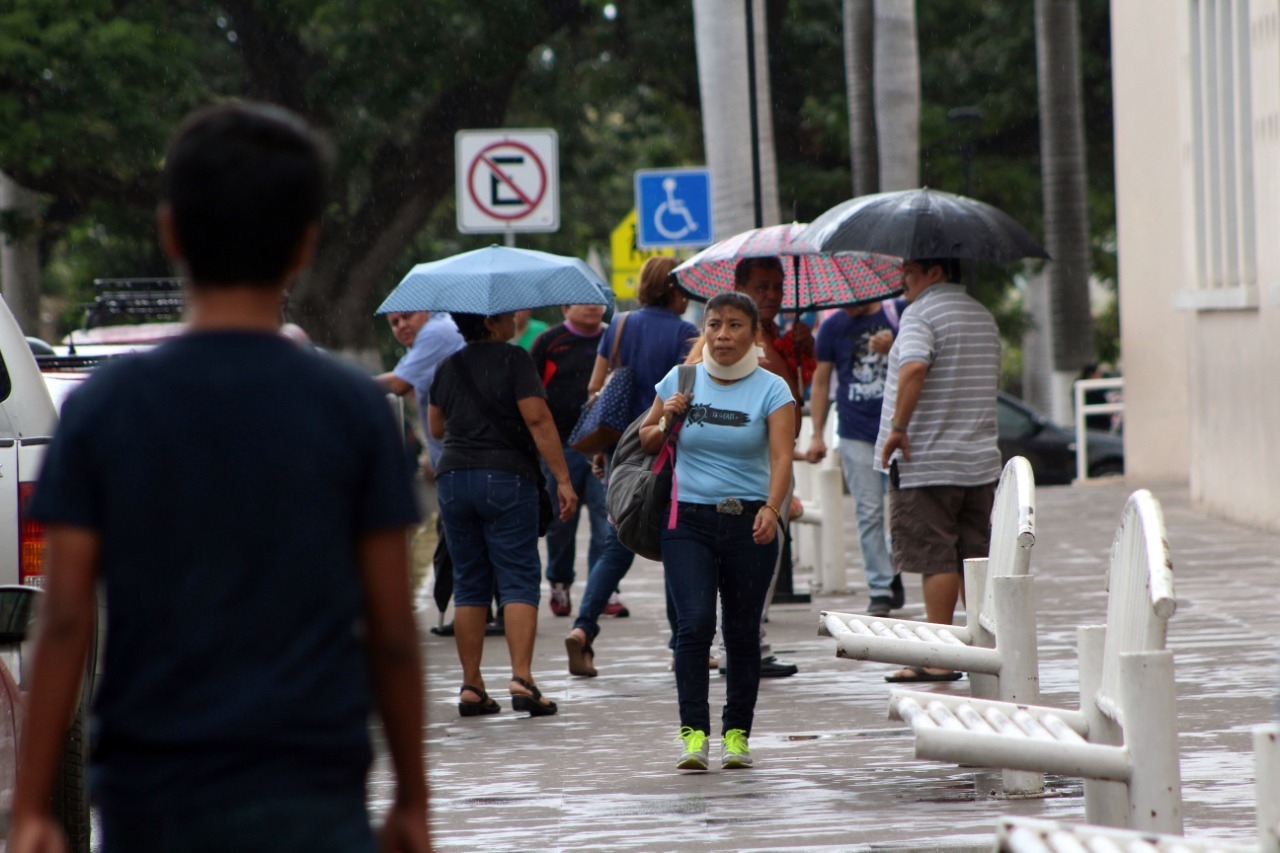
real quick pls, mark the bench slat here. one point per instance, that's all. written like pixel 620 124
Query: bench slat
pixel 1030 835
pixel 1073 721
pixel 1086 760
pixel 905 642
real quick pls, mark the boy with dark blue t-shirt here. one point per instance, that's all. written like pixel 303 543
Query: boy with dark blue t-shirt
pixel 244 503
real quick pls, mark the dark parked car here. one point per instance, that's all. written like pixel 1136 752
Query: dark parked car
pixel 1051 449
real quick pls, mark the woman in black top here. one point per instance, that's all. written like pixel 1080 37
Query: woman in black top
pixel 489 406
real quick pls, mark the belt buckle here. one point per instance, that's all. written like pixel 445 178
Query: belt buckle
pixel 729 506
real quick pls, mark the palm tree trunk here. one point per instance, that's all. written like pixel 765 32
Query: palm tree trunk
pixel 860 80
pixel 20 254
pixel 1062 157
pixel 897 94
pixel 720 33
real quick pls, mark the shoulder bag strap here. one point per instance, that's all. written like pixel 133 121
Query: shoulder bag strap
pixel 617 339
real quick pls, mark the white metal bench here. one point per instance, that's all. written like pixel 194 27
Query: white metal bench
pixel 1023 835
pixel 997 645
pixel 1124 740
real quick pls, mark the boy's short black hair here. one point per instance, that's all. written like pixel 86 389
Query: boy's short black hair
pixel 244 181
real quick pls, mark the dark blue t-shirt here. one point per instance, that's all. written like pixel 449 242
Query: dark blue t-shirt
pixel 229 476
pixel 860 373
pixel 654 340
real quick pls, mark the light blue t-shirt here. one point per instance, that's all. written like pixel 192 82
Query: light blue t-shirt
pixel 723 449
pixel 438 339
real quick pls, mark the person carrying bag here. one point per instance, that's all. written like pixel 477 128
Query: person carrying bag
pixel 606 414
pixel 733 472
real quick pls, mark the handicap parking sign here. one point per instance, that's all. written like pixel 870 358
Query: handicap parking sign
pixel 673 208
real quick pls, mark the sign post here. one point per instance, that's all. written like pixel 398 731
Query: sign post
pixel 628 257
pixel 507 181
pixel 673 208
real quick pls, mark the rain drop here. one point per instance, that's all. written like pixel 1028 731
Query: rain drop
pixel 547 57
pixel 47 74
pixel 222 22
pixel 610 12
pixel 232 37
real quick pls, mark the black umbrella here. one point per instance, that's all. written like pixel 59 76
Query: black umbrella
pixel 923 224
pixel 442 563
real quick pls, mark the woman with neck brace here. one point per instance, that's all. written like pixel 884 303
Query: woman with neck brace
pixel 732 474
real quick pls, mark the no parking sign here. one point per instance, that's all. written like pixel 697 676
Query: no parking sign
pixel 507 180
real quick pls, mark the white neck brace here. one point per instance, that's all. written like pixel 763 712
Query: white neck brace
pixel 740 369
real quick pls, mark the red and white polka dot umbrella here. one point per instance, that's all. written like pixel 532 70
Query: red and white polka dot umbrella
pixel 813 279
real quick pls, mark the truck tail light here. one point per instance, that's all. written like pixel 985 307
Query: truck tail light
pixel 31 541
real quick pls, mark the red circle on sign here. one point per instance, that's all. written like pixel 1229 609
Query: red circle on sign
pixel 484 157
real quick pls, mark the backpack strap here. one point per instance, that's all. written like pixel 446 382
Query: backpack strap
pixel 890 308
pixel 687 374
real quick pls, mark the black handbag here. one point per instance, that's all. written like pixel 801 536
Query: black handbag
pixel 546 512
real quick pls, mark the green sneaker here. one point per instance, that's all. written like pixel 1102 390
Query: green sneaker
pixel 695 749
pixel 735 752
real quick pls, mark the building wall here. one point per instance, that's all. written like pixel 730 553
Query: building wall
pixel 1149 220
pixel 1201 338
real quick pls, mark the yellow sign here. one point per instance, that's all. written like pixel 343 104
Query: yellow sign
pixel 627 259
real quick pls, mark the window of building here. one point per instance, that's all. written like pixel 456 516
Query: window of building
pixel 1222 156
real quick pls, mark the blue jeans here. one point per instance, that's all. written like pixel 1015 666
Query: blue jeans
pixel 709 552
pixel 313 823
pixel 561 534
pixel 606 573
pixel 491 524
pixel 868 487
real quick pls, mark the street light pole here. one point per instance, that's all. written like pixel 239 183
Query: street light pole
pixel 754 114
pixel 971 117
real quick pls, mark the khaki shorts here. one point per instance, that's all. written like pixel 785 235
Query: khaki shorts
pixel 934 528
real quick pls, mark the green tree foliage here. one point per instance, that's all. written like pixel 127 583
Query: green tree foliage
pixel 973 53
pixel 90 89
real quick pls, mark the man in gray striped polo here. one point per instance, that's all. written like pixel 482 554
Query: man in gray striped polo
pixel 937 438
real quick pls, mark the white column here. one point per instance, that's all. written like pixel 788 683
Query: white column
pixel 897 87
pixel 720 33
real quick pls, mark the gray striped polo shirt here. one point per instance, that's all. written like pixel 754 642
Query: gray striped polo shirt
pixel 952 432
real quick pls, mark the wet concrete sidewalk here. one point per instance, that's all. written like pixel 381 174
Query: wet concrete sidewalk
pixel 832 771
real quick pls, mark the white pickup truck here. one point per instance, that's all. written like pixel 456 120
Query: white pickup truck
pixel 28 418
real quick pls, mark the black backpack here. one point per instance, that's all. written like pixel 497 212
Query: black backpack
pixel 641 484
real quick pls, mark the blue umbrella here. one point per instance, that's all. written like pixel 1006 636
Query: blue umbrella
pixel 497 280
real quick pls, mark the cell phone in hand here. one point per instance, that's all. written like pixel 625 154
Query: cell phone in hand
pixel 893 473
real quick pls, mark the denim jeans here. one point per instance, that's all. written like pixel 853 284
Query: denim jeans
pixel 561 535
pixel 868 487
pixel 603 578
pixel 314 823
pixel 709 552
pixel 491 523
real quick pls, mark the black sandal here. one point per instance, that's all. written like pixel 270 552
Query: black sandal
pixel 582 658
pixel 533 703
pixel 486 705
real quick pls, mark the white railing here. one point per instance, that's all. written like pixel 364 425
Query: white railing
pixel 820 531
pixel 1083 410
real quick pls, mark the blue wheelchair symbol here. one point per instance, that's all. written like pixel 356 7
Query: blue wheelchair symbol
pixel 673 208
